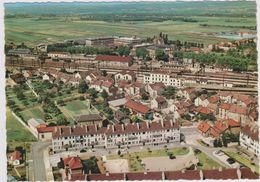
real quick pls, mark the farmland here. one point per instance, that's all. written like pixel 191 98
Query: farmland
pixel 31 32
pixel 24 24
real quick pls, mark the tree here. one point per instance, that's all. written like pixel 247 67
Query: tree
pixel 123 50
pixel 169 92
pixel 104 73
pixel 141 53
pixel 104 94
pixel 135 119
pixel 160 55
pixel 126 111
pixel 82 87
pixel 145 96
pixel 61 120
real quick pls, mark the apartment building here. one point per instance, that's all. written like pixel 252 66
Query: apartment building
pixel 249 138
pixel 102 41
pixel 90 136
pixel 168 79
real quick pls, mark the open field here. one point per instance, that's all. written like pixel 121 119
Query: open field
pixel 35 112
pixel 77 107
pixel 16 131
pixel 31 32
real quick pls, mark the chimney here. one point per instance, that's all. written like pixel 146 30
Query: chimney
pixel 171 122
pixel 138 126
pixel 89 172
pixel 69 176
pixel 55 129
pixel 183 170
pixel 113 129
pixel 239 174
pixel 147 124
pixel 161 122
pixel 201 175
pixel 163 176
pixel 96 127
pixel 107 173
pixel 220 169
pixel 145 172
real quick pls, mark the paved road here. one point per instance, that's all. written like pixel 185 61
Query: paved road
pixel 37 170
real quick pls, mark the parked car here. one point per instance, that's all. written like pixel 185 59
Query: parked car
pixel 231 161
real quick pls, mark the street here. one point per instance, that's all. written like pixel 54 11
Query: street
pixel 37 170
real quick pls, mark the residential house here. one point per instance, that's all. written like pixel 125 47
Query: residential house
pixel 15 158
pixel 155 89
pixel 128 76
pixel 139 109
pixel 90 119
pixel 159 103
pixel 204 128
pixel 34 124
pixel 249 138
pixel 201 101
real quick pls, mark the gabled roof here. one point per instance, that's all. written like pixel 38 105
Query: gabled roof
pixel 16 155
pixel 220 174
pixel 73 163
pixel 238 109
pixel 225 106
pixel 139 176
pixel 233 123
pixel 204 126
pixel 137 106
pixel 106 177
pixel 182 175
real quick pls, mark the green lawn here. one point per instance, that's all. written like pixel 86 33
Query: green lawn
pixel 243 160
pixel 77 107
pixel 205 162
pixel 16 132
pixel 134 159
pixel 35 112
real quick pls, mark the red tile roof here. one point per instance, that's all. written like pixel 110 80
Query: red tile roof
pixel 113 58
pixel 203 110
pixel 137 107
pixel 204 127
pixel 77 177
pixel 73 163
pixel 185 175
pixel 246 173
pixel 139 176
pixel 225 106
pixel 16 155
pixel 214 133
pixel 217 174
pixel 49 129
pixel 213 99
pixel 106 177
pixel 238 109
pixel 107 84
pixel 233 123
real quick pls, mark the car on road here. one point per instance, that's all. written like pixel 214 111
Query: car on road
pixel 231 161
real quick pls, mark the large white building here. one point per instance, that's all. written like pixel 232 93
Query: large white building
pixel 167 78
pixel 90 136
pixel 249 138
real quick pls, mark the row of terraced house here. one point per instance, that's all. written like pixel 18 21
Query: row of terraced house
pixel 112 136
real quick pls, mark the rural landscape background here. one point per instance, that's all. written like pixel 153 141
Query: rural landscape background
pixel 193 21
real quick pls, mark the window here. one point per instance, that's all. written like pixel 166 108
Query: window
pixel 42 135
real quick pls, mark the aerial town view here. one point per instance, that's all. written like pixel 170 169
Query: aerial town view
pixel 99 91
